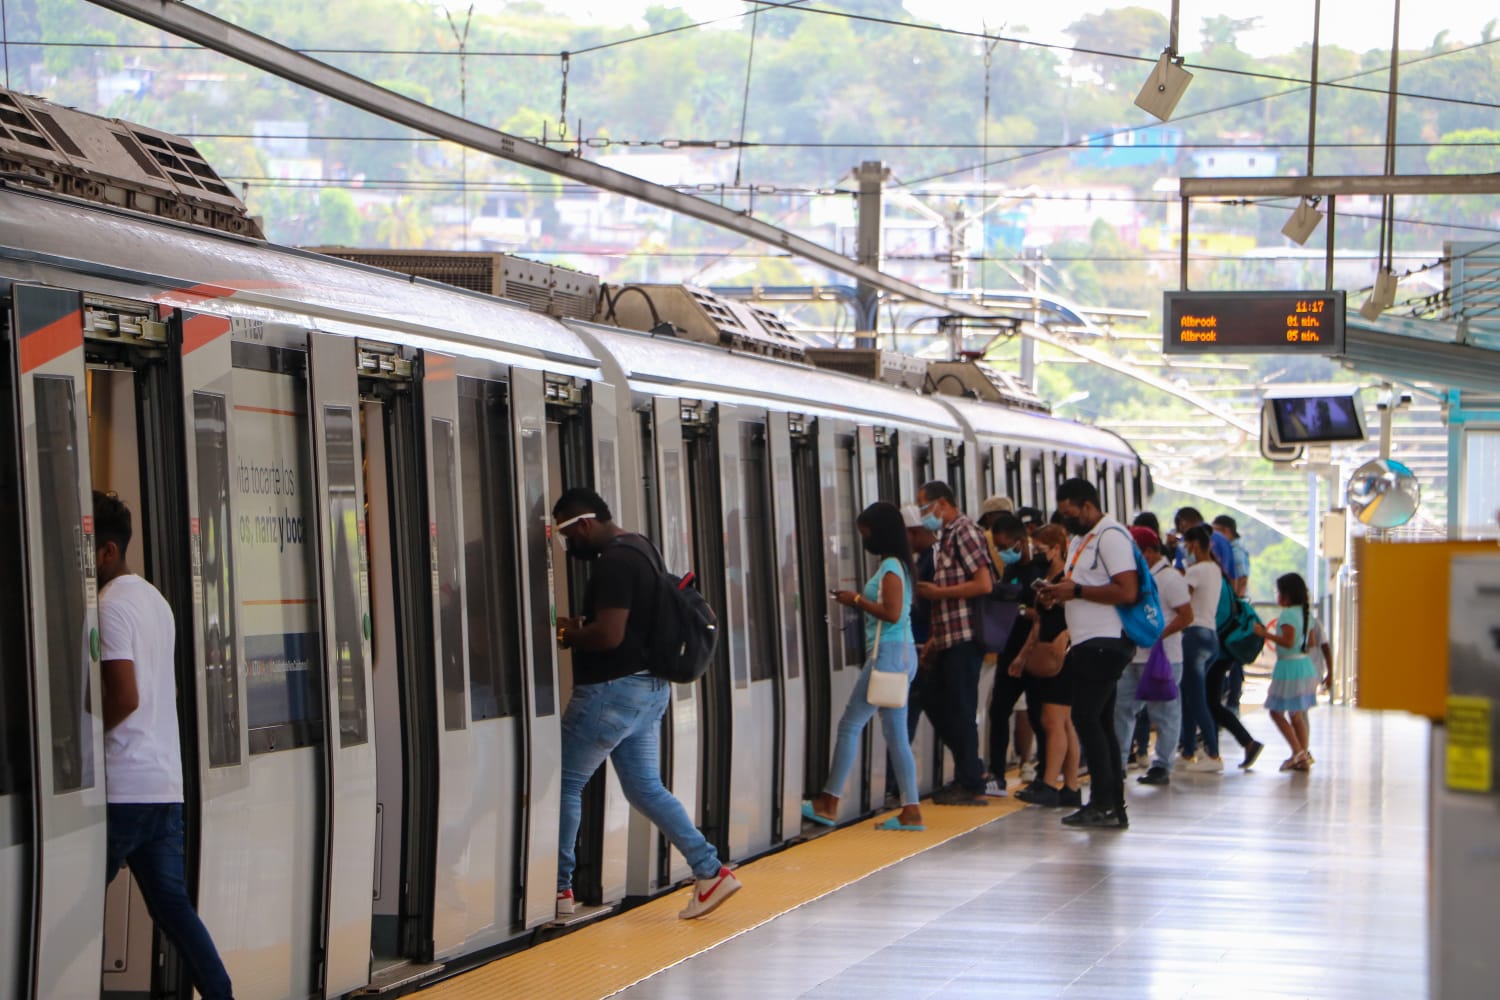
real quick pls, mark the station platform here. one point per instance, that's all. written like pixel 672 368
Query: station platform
pixel 1247 885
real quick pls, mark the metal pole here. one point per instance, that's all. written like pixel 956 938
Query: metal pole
pixel 1328 255
pixel 871 175
pixel 1313 516
pixel 1182 267
pixel 1312 100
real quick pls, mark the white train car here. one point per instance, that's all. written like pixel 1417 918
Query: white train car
pixel 342 481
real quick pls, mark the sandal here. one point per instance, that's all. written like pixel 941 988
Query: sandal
pixel 1304 762
pixel 894 823
pixel 1290 764
pixel 809 814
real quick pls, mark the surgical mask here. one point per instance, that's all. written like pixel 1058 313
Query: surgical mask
pixel 1010 557
pixel 932 523
pixel 1188 558
pixel 1074 525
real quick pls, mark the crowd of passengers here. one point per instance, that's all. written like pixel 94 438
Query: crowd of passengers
pixel 1064 674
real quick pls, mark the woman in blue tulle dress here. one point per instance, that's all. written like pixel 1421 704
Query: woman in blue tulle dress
pixel 1294 682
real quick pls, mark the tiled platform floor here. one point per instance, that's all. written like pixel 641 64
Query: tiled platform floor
pixel 1242 886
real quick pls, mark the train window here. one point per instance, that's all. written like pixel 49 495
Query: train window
pixel 957 480
pixel 276 572
pixel 921 469
pixel 15 715
pixel 1122 507
pixel 1137 481
pixel 850 550
pixel 220 671
pixel 1101 483
pixel 535 516
pixel 1038 483
pixel 888 473
pixel 343 520
pixel 1013 482
pixel 62 597
pixel 493 597
pixel 650 511
pixel 760 583
pixel 450 584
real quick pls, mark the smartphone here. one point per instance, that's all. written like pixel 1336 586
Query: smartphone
pixel 833 593
pixel 1038 583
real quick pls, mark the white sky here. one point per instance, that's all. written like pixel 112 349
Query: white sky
pixel 1352 24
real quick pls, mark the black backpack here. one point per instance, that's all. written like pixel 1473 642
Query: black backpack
pixel 684 629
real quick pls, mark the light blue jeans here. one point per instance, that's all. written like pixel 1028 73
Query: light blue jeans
pixel 892 656
pixel 1167 715
pixel 621 720
pixel 1200 647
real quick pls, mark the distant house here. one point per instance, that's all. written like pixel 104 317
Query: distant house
pixel 1128 147
pixel 1233 162
pixel 130 81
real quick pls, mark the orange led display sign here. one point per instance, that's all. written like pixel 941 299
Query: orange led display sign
pixel 1253 323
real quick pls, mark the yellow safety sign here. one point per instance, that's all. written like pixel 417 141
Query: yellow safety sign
pixel 1469 767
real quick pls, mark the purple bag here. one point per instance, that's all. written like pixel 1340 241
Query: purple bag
pixel 1156 680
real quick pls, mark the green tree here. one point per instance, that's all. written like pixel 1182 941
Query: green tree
pixel 338 218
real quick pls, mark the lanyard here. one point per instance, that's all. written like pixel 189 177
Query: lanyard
pixel 1079 554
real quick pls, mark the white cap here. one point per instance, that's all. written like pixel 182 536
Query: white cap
pixel 912 515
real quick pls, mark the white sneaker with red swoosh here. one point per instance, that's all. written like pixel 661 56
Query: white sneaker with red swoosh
pixel 708 893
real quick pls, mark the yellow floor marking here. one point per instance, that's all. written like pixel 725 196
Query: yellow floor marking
pixel 617 952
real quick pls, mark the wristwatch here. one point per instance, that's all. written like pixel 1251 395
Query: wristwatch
pixel 1077 589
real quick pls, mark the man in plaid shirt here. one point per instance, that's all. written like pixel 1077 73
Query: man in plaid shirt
pixel 952 650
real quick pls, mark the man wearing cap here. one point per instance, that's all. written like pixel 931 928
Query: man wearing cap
pixel 1165 715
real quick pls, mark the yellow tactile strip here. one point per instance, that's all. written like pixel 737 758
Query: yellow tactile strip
pixel 619 951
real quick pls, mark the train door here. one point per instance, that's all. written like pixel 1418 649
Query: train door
pixel 757 786
pixel 654 863
pixel 67 837
pixel 911 452
pixel 571 462
pixel 350 766
pixel 817 611
pixel 543 759
pixel 16 785
pixel 789 746
pixel 842 486
pixel 957 470
pixel 706 481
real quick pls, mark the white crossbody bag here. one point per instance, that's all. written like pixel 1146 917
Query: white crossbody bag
pixel 887 687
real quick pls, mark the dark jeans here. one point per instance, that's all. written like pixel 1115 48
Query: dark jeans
pixel 952 701
pixel 1140 741
pixel 1234 686
pixel 1213 685
pixel 148 837
pixel 1096 666
pixel 1003 697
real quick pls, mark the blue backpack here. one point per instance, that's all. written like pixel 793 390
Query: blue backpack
pixel 1143 621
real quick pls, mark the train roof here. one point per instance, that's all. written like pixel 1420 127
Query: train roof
pixel 1039 430
pixel 234 276
pixel 689 370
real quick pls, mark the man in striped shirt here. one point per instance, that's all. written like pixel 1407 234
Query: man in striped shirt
pixel 952 652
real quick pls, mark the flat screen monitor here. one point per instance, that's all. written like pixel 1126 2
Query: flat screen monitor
pixel 1318 419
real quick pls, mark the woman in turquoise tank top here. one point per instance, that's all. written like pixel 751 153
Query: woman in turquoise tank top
pixel 1294 682
pixel 886 602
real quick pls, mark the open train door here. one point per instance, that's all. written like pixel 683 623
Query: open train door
pixel 349 739
pixel 68 815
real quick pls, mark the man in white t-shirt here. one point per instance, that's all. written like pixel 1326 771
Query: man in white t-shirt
pixel 1176 601
pixel 142 751
pixel 1099 578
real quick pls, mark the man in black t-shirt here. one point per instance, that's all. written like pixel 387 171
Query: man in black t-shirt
pixel 617 705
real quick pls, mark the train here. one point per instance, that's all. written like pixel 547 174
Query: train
pixel 342 479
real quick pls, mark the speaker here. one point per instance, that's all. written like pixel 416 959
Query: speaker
pixel 1164 87
pixel 1304 220
pixel 1382 296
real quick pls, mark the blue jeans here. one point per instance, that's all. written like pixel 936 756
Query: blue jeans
pixel 893 656
pixel 1200 647
pixel 621 720
pixel 148 837
pixel 1166 714
pixel 952 702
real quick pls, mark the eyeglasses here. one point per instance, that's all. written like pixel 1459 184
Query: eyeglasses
pixel 572 521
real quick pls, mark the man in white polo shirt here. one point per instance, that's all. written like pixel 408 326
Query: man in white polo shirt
pixel 142 754
pixel 1099 577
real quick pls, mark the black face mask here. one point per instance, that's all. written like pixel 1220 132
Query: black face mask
pixel 580 550
pixel 1074 525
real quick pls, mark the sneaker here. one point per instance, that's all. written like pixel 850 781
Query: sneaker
pixel 959 796
pixel 1090 816
pixel 1045 796
pixel 994 787
pixel 565 903
pixel 1070 797
pixel 708 893
pixel 1205 765
pixel 1121 820
pixel 1252 754
pixel 1028 771
pixel 1156 776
